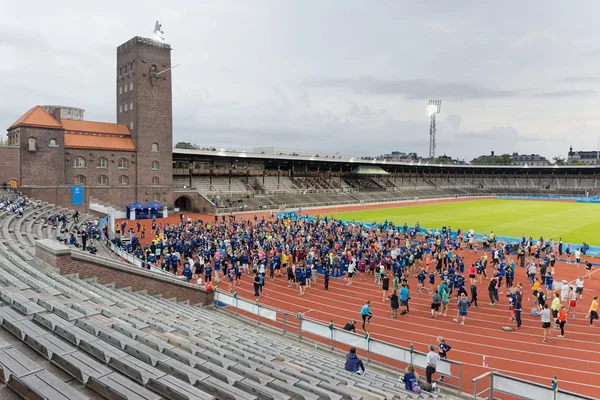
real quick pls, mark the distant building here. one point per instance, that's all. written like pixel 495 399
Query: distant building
pixel 530 160
pixel 583 157
pixel 400 157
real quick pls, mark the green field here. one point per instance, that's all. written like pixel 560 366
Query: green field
pixel 574 222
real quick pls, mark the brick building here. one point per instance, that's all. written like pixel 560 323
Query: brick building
pixel 51 148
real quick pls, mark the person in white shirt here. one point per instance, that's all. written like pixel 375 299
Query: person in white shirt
pixel 579 287
pixel 577 257
pixel 564 291
pixel 432 360
pixel 351 269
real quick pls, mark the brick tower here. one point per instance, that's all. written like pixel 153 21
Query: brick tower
pixel 144 103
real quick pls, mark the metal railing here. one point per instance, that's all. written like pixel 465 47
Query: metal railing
pixel 393 356
pixel 519 389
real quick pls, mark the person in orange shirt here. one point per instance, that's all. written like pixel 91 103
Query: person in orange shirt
pixel 593 312
pixel 561 321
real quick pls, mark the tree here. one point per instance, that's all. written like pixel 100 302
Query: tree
pixel 558 160
pixel 578 162
pixel 185 145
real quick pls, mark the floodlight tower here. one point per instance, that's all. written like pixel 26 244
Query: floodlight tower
pixel 432 110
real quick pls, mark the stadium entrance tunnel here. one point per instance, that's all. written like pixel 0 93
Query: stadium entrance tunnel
pixel 184 203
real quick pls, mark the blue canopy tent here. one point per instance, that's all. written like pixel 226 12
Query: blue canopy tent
pixel 154 209
pixel 137 208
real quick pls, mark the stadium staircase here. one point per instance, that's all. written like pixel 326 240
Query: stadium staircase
pixel 62 337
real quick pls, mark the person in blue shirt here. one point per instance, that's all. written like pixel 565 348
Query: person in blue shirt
pixel 431 281
pixel 463 305
pixel 404 297
pixel 208 273
pixel 326 275
pixel 366 315
pixel 421 279
pixel 187 272
pixel 302 280
pixel 412 382
pixel 353 363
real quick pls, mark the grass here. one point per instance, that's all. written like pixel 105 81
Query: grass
pixel 574 222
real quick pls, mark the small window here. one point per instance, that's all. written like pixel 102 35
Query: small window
pixel 131 105
pixel 156 197
pixel 79 162
pixel 131 86
pixel 131 125
pixel 53 143
pixel 79 180
pixel 125 107
pixel 125 88
pixel 102 163
pixel 124 180
pixel 103 180
pixel 123 163
pixel 32 144
pixel 155 165
pixel 155 180
pixel 120 71
pixel 155 147
pixel 120 89
pixel 120 109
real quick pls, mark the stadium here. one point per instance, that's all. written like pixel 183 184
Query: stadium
pixel 90 308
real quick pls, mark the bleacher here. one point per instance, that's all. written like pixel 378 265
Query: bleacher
pixel 67 338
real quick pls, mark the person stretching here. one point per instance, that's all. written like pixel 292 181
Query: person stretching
pixel 365 314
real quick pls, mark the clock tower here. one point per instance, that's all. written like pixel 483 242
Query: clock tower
pixel 144 104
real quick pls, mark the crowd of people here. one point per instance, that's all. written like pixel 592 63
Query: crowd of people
pixel 298 248
pixel 15 203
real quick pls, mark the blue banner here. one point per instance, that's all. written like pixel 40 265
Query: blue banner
pixel 77 195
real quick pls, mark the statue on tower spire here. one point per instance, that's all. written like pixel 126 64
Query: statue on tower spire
pixel 158 32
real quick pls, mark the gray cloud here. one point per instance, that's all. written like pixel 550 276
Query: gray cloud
pixel 412 89
pixel 568 93
pixel 302 74
pixel 580 79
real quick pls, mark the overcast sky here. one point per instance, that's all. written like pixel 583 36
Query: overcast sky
pixel 342 76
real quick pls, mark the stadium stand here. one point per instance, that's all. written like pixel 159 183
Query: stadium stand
pixel 67 338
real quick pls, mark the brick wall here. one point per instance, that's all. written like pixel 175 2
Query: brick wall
pixel 122 275
pixel 10 166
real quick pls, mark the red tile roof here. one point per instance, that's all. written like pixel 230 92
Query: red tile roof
pixel 95 127
pixel 78 141
pixel 37 117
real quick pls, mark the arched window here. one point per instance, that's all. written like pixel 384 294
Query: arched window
pixel 53 143
pixel 124 180
pixel 155 180
pixel 123 163
pixel 79 162
pixel 79 180
pixel 155 147
pixel 102 163
pixel 103 180
pixel 155 165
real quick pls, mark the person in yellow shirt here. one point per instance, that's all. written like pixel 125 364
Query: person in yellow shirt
pixel 593 312
pixel 555 307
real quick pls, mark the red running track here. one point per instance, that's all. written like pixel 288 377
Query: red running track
pixel 573 359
